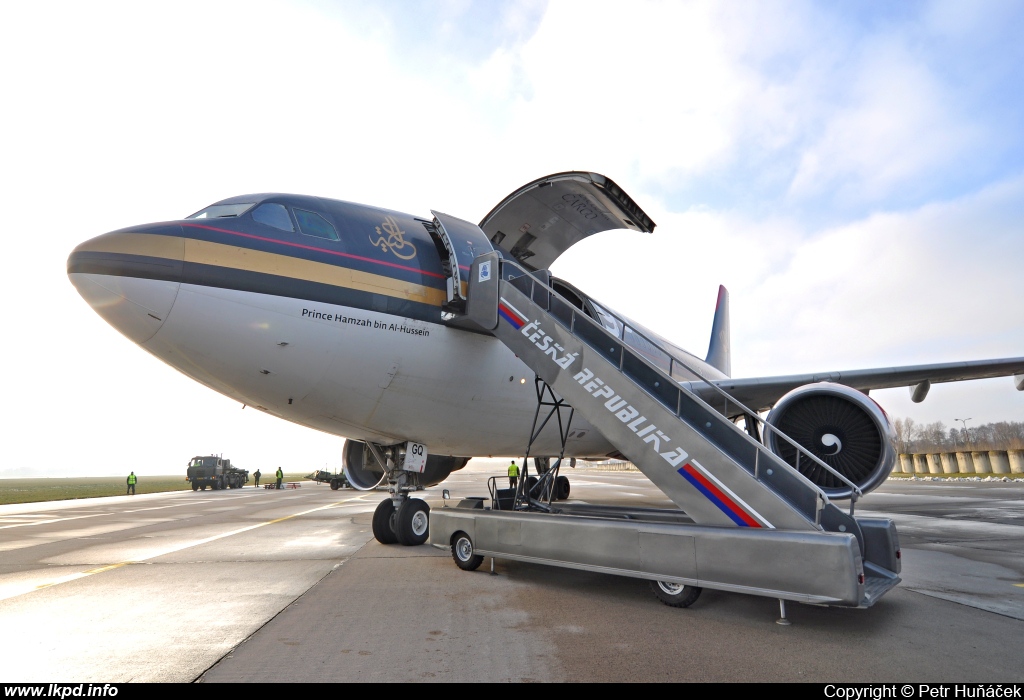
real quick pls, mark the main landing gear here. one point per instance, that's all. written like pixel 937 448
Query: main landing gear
pixel 407 524
pixel 398 519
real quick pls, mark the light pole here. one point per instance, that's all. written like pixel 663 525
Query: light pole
pixel 967 436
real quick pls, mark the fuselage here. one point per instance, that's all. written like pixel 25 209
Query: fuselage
pixel 321 312
pixel 324 313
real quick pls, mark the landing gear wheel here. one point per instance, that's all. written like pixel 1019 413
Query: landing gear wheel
pixel 530 483
pixel 562 488
pixel 335 484
pixel 462 552
pixel 384 522
pixel 675 595
pixel 413 522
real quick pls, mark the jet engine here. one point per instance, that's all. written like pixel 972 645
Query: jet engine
pixel 840 426
pixel 364 473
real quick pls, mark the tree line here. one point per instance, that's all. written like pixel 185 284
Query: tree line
pixel 914 437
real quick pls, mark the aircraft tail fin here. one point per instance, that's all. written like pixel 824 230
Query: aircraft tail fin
pixel 719 350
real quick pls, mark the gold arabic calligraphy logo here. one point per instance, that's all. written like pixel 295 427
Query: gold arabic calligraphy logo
pixel 391 237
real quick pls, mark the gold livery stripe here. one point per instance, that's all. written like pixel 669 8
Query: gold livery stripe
pixel 152 245
pixel 237 258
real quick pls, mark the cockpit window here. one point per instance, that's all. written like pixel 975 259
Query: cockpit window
pixel 273 215
pixel 221 211
pixel 312 224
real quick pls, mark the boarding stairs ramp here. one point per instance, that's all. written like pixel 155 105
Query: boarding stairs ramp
pixel 716 473
pixel 701 460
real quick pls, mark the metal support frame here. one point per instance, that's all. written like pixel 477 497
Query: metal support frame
pixel 524 497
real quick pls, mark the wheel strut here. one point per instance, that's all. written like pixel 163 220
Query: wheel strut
pixel 783 620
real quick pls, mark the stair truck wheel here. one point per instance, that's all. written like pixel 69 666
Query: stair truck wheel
pixel 675 595
pixel 462 552
pixel 384 522
pixel 413 522
pixel 195 486
pixel 335 484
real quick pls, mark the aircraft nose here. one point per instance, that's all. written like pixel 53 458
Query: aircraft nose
pixel 131 277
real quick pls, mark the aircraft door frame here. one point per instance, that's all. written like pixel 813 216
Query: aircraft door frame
pixel 463 241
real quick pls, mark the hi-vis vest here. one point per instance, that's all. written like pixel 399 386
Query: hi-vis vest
pixel 131 478
pixel 513 470
pixel 280 474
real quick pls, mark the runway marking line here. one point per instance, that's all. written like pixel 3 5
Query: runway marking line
pixel 110 567
pixel 90 515
pixel 54 520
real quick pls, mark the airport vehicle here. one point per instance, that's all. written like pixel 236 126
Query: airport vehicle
pixel 748 519
pixel 215 472
pixel 359 321
pixel 322 476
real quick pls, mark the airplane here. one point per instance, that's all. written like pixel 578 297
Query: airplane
pixel 352 320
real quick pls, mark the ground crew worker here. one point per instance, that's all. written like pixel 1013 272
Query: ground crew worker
pixel 513 474
pixel 257 477
pixel 131 483
pixel 280 475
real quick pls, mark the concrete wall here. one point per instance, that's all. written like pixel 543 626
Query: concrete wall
pixel 982 464
pixel 977 462
pixel 1000 462
pixel 1016 458
pixel 964 461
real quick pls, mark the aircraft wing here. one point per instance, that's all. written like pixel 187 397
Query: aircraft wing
pixel 761 393
pixel 541 220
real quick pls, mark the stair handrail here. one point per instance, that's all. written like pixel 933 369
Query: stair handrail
pixel 855 491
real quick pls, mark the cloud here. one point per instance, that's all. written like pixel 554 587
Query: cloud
pixel 897 127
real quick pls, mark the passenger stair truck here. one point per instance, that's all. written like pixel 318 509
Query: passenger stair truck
pixel 748 521
pixel 215 472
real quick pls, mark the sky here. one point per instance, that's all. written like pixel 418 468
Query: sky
pixel 853 173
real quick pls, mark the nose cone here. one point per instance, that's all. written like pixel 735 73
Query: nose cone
pixel 131 277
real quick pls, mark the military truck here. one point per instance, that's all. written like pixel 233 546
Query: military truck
pixel 215 472
pixel 336 481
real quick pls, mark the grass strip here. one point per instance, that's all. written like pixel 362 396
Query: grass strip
pixel 70 488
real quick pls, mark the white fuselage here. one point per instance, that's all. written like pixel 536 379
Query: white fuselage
pixel 354 373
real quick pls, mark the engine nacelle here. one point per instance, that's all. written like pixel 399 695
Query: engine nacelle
pixel 364 473
pixel 840 426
